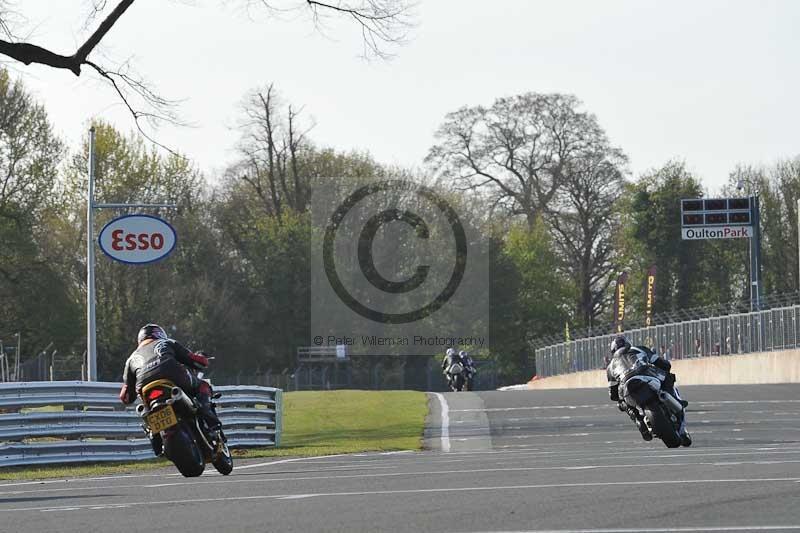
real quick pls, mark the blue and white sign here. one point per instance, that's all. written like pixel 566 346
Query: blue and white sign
pixel 137 239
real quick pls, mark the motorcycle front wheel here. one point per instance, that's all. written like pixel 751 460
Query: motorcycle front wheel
pixel 223 461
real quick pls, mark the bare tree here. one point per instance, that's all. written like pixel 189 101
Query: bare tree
pixel 29 151
pixel 540 155
pixel 383 23
pixel 29 158
pixel 271 147
pixel 584 220
pixel 515 151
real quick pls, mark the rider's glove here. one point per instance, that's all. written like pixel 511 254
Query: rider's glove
pixel 199 359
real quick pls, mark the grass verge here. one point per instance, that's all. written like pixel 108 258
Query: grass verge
pixel 314 423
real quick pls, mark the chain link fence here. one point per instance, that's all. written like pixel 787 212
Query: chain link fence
pixel 760 331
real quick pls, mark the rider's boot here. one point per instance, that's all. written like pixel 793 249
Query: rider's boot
pixel 158 444
pixel 206 408
pixel 640 425
pixel 646 435
pixel 686 439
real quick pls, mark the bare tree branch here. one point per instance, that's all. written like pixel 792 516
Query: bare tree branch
pixel 382 22
pixel 30 53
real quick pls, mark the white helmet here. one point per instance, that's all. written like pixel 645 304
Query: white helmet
pixel 463 353
pixel 450 352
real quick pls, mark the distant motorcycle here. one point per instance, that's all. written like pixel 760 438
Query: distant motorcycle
pixel 663 414
pixel 457 377
pixel 187 441
pixel 470 385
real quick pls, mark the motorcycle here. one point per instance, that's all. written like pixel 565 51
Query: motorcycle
pixel 470 381
pixel 457 377
pixel 187 441
pixel 662 413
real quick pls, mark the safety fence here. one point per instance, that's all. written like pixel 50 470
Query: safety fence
pixel 759 331
pixel 77 421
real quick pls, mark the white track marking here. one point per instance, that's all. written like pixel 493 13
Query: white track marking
pixel 748 481
pixel 397 474
pixel 445 421
pixel 658 530
pixel 292 460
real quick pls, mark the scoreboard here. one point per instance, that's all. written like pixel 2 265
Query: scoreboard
pixel 716 218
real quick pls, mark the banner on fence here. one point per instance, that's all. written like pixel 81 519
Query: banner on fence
pixel 619 303
pixel 649 295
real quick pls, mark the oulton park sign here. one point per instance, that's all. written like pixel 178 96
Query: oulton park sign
pixel 717 218
pixel 717 232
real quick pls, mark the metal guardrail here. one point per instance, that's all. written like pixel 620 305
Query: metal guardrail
pixel 759 331
pixel 76 421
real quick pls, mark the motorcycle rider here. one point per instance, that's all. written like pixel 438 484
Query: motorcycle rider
pixel 626 362
pixel 469 367
pixel 159 357
pixel 451 357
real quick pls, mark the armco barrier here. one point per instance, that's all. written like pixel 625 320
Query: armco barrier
pixel 44 422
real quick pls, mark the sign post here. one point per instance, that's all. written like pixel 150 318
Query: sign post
pixel 727 218
pixel 91 325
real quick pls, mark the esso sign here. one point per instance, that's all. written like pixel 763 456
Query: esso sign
pixel 137 239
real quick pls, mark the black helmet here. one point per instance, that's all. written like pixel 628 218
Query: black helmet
pixel 151 331
pixel 618 343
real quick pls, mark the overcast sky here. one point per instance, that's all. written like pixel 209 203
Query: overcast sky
pixel 714 82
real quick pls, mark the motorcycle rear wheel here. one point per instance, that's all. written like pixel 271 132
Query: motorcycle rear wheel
pixel 663 427
pixel 181 448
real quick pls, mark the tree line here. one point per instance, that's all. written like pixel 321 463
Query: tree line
pixel 551 194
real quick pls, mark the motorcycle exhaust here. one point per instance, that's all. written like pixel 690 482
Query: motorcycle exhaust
pixel 180 397
pixel 671 402
pixel 140 410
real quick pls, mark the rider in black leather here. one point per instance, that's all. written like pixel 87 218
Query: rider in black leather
pixel 159 357
pixel 451 357
pixel 628 361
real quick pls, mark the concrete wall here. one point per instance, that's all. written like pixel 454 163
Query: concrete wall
pixel 767 367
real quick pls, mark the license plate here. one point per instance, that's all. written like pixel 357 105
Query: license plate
pixel 162 419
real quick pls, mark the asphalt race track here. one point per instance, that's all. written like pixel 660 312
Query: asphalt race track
pixel 517 461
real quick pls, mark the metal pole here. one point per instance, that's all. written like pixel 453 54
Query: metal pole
pixel 19 347
pixel 91 333
pixel 798 245
pixel 755 255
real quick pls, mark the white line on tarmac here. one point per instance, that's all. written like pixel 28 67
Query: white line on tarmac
pixel 445 422
pixel 534 451
pixel 537 408
pixel 748 481
pixel 657 529
pixel 465 471
pixel 609 406
pixel 722 402
pixel 292 460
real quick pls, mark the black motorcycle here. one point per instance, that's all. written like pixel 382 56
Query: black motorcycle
pixel 187 441
pixel 457 377
pixel 661 412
